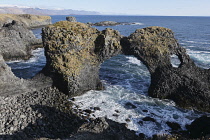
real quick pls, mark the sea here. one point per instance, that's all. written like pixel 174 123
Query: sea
pixel 125 99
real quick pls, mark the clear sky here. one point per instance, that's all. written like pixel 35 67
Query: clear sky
pixel 130 7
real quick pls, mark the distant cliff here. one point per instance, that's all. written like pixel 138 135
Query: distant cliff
pixel 38 11
pixel 30 21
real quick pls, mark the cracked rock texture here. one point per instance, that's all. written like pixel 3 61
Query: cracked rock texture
pixel 74 52
pixel 187 85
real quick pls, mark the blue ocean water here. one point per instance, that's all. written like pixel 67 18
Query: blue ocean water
pixel 127 79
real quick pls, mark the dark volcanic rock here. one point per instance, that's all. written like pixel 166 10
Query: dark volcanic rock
pixel 16 41
pixel 187 85
pixel 71 19
pixel 173 125
pixel 74 52
pixel 149 119
pixel 199 127
pixel 110 23
pixel 106 23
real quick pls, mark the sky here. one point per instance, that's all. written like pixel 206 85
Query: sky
pixel 125 7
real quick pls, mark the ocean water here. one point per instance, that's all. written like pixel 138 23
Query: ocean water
pixel 126 79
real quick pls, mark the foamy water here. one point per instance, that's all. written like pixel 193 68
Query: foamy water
pixel 127 80
pixel 28 68
pixel 122 104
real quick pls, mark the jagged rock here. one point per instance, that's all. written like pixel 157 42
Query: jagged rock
pixel 16 41
pixel 187 85
pixel 71 19
pixel 74 52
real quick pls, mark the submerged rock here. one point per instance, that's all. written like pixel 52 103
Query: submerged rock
pixel 187 85
pixel 16 41
pixel 74 52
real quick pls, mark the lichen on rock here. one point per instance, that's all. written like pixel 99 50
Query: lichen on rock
pixel 187 85
pixel 73 59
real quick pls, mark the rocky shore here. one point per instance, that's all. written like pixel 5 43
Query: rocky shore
pixel 40 109
pixel 30 21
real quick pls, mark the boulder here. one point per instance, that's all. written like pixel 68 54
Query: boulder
pixel 200 128
pixel 16 41
pixel 71 19
pixel 187 85
pixel 74 52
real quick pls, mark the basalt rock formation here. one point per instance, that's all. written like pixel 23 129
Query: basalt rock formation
pixel 74 52
pixel 187 85
pixel 17 41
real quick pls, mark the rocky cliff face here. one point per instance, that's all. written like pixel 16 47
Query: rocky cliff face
pixel 30 21
pixel 74 52
pixel 187 85
pixel 16 41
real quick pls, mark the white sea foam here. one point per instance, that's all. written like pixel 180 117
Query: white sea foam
pixel 113 101
pixel 134 60
pixel 175 61
pixel 36 54
pixel 137 23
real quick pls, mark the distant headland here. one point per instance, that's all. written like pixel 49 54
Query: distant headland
pixel 40 11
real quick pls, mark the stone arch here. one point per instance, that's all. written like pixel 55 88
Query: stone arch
pixel 74 52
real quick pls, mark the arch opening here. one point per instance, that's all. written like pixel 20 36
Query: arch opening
pixel 175 61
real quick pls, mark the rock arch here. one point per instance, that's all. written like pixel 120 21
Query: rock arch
pixel 74 52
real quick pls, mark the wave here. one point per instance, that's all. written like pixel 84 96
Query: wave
pixel 134 60
pixel 204 42
pixel 137 23
pixel 123 106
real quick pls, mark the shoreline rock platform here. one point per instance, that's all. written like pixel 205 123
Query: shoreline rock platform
pixel 36 109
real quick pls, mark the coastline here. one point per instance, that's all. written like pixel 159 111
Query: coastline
pixel 94 135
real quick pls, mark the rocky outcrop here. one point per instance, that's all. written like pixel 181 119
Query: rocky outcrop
pixel 111 23
pixel 17 41
pixel 106 23
pixel 187 85
pixel 30 21
pixel 71 19
pixel 74 52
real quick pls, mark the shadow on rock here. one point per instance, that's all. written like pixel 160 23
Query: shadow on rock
pixel 54 124
pixel 51 123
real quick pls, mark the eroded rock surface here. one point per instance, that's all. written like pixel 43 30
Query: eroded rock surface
pixel 74 52
pixel 187 85
pixel 16 41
